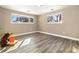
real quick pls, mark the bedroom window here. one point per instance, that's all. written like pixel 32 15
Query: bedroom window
pixel 54 19
pixel 21 19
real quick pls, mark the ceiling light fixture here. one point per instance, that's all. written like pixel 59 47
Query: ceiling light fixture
pixel 51 9
pixel 38 5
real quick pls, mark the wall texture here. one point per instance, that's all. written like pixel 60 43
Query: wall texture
pixel 6 26
pixel 69 27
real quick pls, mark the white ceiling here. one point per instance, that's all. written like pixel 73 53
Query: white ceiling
pixel 34 9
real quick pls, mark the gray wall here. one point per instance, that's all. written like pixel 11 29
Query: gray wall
pixel 6 26
pixel 70 23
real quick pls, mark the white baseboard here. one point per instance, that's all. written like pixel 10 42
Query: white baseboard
pixel 25 33
pixel 72 38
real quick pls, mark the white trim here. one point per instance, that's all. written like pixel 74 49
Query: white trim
pixel 72 38
pixel 54 14
pixel 19 15
pixel 24 33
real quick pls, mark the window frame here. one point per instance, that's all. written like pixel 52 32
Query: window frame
pixel 19 22
pixel 54 15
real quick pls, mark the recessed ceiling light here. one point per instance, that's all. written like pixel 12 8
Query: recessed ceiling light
pixel 38 5
pixel 51 9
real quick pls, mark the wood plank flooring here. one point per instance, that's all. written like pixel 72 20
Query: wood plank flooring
pixel 42 43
